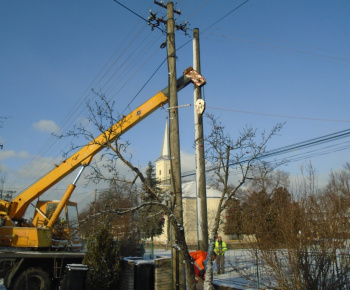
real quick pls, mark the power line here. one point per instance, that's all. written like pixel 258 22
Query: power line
pixel 133 12
pixel 227 14
pixel 145 84
pixel 308 143
pixel 216 22
pixel 293 147
pixel 78 108
pixel 280 116
pixel 181 28
pixel 280 47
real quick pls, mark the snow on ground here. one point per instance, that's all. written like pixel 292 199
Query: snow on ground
pixel 233 259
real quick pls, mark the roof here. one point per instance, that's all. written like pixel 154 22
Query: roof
pixel 165 152
pixel 189 190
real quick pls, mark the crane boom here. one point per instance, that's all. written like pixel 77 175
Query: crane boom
pixel 17 208
pixel 22 201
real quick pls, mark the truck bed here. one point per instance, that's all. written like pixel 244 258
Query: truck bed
pixel 11 254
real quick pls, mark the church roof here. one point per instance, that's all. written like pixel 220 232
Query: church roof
pixel 165 152
pixel 189 190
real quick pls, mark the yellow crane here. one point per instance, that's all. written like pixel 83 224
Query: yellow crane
pixel 47 233
pixel 46 230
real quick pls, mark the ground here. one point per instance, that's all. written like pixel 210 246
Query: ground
pixel 230 279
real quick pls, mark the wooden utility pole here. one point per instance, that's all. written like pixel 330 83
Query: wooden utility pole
pixel 202 216
pixel 94 212
pixel 178 267
pixel 174 137
pixel 174 140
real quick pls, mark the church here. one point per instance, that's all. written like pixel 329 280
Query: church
pixel 189 199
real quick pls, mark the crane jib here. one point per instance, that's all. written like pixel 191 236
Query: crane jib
pixel 19 204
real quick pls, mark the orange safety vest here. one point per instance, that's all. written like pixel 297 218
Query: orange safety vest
pixel 199 257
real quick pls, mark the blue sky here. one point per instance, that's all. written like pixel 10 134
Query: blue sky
pixel 265 62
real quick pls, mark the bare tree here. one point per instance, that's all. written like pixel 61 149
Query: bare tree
pixel 306 183
pixel 106 169
pixel 311 250
pixel 339 181
pixel 225 154
pixel 268 180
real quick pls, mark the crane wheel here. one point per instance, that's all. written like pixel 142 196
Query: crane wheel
pixel 32 279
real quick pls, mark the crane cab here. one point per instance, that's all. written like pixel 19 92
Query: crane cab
pixel 65 230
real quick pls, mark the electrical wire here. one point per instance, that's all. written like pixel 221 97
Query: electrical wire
pixel 227 14
pixel 279 47
pixel 36 164
pixel 146 83
pixel 293 148
pixel 187 42
pixel 279 116
pixel 133 12
pixel 114 75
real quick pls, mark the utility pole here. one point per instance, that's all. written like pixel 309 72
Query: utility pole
pixel 202 217
pixel 174 136
pixel 178 269
pixel 6 194
pixel 94 212
pixel 1 125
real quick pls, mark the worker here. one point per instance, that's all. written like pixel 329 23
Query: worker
pixel 199 262
pixel 219 250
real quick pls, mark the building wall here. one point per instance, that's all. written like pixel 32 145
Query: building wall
pixel 189 201
pixel 163 171
pixel 190 218
pixel 190 221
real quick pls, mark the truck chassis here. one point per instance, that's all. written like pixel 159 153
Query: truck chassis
pixel 35 269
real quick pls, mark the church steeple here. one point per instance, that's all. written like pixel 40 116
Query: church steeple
pixel 163 161
pixel 165 152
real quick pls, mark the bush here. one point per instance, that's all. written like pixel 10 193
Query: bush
pixel 102 259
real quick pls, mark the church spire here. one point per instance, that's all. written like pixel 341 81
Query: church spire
pixel 163 161
pixel 165 152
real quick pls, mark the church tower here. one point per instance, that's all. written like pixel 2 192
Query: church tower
pixel 163 161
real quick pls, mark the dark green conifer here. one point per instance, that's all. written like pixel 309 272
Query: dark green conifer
pixel 102 260
pixel 151 219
